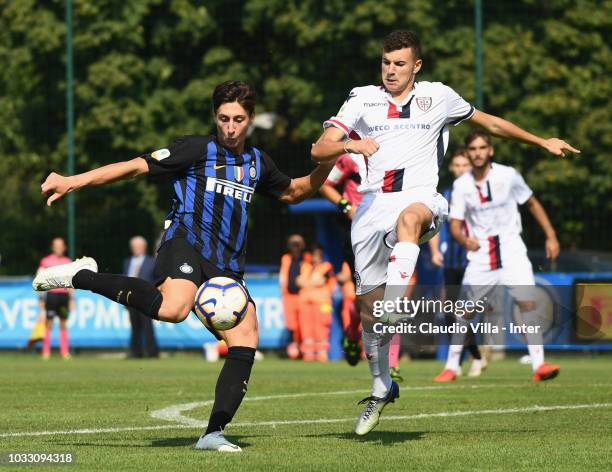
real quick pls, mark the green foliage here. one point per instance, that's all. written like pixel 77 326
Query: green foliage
pixel 145 70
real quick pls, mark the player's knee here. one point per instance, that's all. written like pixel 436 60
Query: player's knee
pixel 409 221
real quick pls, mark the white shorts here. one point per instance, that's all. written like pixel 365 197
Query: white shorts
pixel 373 233
pixel 516 275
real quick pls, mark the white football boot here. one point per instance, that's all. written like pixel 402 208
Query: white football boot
pixel 60 276
pixel 216 441
pixel 371 414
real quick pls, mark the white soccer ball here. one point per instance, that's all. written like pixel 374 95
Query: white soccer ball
pixel 221 303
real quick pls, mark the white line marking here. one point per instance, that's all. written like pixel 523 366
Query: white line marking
pixel 528 409
pixel 175 412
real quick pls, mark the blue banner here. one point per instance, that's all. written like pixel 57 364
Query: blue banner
pixel 99 322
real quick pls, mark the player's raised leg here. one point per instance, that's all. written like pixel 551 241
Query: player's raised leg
pixel 413 222
pixel 232 382
pixel 171 302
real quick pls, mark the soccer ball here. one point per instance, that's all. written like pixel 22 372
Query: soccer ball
pixel 221 303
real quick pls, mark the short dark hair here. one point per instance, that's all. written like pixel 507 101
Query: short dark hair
pixel 459 152
pixel 401 39
pixel 235 91
pixel 477 133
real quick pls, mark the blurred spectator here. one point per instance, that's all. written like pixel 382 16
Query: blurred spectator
pixel 290 269
pixel 318 283
pixel 141 265
pixel 56 303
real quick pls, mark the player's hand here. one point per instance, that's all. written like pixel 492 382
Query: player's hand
pixel 437 259
pixel 557 147
pixel 471 244
pixel 552 248
pixel 56 186
pixel 365 147
pixel 351 213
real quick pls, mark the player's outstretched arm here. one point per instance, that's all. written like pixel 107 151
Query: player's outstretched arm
pixel 331 144
pixel 505 129
pixel 56 185
pixel 302 188
pixel 539 213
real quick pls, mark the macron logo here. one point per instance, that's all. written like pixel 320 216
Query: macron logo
pixel 231 189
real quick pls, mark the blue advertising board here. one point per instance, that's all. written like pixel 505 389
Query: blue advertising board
pixel 98 322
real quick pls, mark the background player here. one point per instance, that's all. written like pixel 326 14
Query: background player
pixel 58 302
pixel 446 252
pixel 214 181
pixel 340 188
pixel 404 129
pixel 487 198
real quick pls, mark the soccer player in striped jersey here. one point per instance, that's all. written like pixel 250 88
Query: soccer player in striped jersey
pixel 404 128
pixel 214 179
pixel 487 199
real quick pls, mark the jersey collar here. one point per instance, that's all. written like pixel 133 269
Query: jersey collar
pixel 406 100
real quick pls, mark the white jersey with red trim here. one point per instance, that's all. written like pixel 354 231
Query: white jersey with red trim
pixel 413 135
pixel 490 209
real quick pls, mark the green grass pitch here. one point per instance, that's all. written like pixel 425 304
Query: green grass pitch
pixel 301 416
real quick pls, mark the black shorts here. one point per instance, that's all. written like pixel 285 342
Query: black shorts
pixel 178 259
pixel 57 304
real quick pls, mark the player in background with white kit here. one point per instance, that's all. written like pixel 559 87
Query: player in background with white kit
pixel 487 199
pixel 404 129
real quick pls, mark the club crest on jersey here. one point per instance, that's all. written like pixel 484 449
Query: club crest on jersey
pixel 252 172
pixel 238 173
pixel 424 103
pixel 186 268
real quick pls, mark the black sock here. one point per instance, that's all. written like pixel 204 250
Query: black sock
pixel 474 351
pixel 231 386
pixel 129 291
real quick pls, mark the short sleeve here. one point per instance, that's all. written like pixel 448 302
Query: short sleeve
pixel 177 157
pixel 349 114
pixel 338 174
pixel 272 182
pixel 457 109
pixel 457 203
pixel 520 190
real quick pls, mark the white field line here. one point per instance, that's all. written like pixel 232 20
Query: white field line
pixel 447 414
pixel 174 413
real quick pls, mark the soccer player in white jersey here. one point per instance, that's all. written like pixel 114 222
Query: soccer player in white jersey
pixel 487 199
pixel 404 124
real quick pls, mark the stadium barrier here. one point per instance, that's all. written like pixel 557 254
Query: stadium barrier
pixel 101 323
pixel 582 313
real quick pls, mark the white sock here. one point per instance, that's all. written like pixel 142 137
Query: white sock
pixel 376 356
pixel 535 340
pixel 536 351
pixel 454 357
pixel 400 269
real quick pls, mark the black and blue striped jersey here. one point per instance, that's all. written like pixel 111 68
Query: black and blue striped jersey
pixel 213 189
